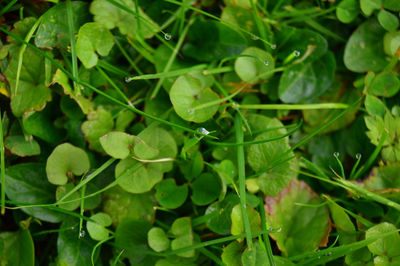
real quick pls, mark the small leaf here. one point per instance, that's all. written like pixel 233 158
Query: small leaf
pixel 347 10
pixel 387 246
pixel 294 223
pixel 392 5
pixel 20 146
pixel 374 106
pixel 93 37
pixel 169 195
pixel 364 49
pixel 64 161
pixel 343 224
pixel 391 42
pixel 96 229
pixel 257 256
pixel 221 222
pixel 368 6
pixel 157 239
pixel 232 254
pixel 182 229
pixel 206 188
pixel 237 220
pixel 17 248
pixel 136 177
pixel 387 20
pixel 187 93
pixel 253 63
pixel 385 84
pixel 117 144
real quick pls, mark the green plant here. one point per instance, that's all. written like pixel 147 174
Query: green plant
pixel 167 132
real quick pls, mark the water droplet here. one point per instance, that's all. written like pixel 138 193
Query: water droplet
pixel 358 156
pixel 254 37
pixel 273 46
pixel 202 131
pixel 167 36
pixel 127 79
pixel 82 234
pixel 296 53
pixel 235 105
pixel 190 111
pixel 336 154
pixel 328 254
pixel 266 63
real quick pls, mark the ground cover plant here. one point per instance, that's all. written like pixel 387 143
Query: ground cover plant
pixel 235 132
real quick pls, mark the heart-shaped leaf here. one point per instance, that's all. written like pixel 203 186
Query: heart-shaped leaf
pixel 221 222
pixel 65 161
pixel 96 229
pixel 206 188
pixel 169 195
pixel 254 64
pixel 186 93
pixel 117 144
pixel 347 10
pixel 182 230
pixel 157 239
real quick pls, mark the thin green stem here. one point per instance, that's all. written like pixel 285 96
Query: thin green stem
pixel 293 106
pixel 173 73
pixel 82 208
pixel 3 168
pixel 7 7
pixel 242 181
pixel 264 227
pixel 71 28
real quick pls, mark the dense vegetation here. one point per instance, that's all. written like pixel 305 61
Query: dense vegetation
pixel 200 132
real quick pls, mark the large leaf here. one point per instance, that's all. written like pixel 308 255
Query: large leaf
pixel 186 93
pixel 112 16
pixel 387 246
pixel 260 156
pixel 300 228
pixel 16 248
pixel 32 93
pixel 305 81
pixel 364 50
pixel 28 183
pixel 93 37
pixel 54 28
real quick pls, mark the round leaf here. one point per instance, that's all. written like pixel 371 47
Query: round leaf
pixel 388 21
pixel 391 42
pixel 182 229
pixel 186 93
pixel 63 190
pixel 387 246
pixel 237 220
pixel 169 195
pixel 220 222
pixel 157 239
pixel 347 10
pixel 385 84
pixel 364 50
pixel 117 144
pixel 64 161
pixel 96 229
pixel 20 146
pixel 252 63
pixel 206 189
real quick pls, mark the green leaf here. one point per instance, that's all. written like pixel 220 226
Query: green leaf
pixel 347 10
pixel 384 177
pixel 124 118
pixel 305 81
pixel 131 235
pixel 117 144
pixel 169 195
pixel 93 37
pixel 62 191
pixel 99 123
pixel 186 93
pixel 392 5
pixel 257 256
pixel 220 222
pixel 260 156
pixel 121 205
pixel 182 230
pixel 368 6
pixel 17 248
pixel 259 63
pixel 343 224
pixel 364 49
pixel 384 84
pixel 237 227
pixel 387 20
pixel 157 239
pixel 136 177
pixel 54 30
pixel 391 42
pixel 18 145
pixel 294 222
pixel 96 229
pixel 32 92
pixel 239 3
pixel 374 106
pixel 28 183
pixel 206 189
pixel 111 16
pixel 387 246
pixel 232 254
pixel 65 161
pixel 71 249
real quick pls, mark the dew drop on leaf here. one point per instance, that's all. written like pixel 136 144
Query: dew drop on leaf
pixel 358 156
pixel 167 36
pixel 296 53
pixel 273 46
pixel 336 154
pixel 82 234
pixel 266 63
